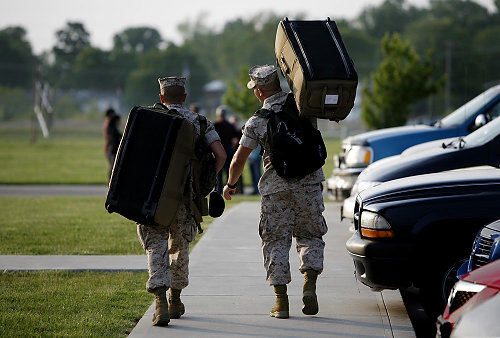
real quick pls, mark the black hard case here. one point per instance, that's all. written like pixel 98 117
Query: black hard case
pixel 138 189
pixel 316 64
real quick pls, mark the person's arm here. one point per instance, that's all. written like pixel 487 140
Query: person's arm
pixel 236 168
pixel 220 155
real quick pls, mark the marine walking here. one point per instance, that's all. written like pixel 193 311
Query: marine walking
pixel 290 207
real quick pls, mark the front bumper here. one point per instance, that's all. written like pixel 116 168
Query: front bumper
pixel 340 184
pixel 381 264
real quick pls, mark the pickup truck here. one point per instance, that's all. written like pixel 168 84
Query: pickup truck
pixel 360 150
pixel 416 230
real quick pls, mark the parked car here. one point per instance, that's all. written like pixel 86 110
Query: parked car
pixel 473 308
pixel 417 230
pixel 486 249
pixel 361 150
pixel 479 148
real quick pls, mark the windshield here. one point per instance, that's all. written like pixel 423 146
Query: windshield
pixel 459 116
pixel 483 134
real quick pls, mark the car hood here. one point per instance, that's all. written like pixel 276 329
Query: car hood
pixel 432 184
pixel 377 135
pixel 494 226
pixel 431 160
pixel 488 274
pixel 427 145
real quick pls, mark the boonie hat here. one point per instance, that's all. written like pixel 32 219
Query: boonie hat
pixel 261 75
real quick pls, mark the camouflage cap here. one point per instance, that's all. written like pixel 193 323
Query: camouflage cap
pixel 172 81
pixel 262 75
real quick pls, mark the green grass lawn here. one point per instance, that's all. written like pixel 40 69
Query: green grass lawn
pixel 72 156
pixel 69 226
pixel 76 304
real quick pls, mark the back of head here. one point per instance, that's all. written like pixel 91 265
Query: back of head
pixel 221 112
pixel 110 112
pixel 173 94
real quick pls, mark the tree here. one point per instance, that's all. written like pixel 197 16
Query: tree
pixel 71 40
pixel 239 98
pixel 391 16
pixel 137 39
pixel 92 69
pixel 16 58
pixel 142 85
pixel 401 80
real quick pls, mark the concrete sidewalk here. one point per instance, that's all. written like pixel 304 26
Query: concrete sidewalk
pixel 73 262
pixel 228 295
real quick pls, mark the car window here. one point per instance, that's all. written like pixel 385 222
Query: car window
pixel 483 134
pixel 459 116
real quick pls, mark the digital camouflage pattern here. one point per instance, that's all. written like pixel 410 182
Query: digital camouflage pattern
pixel 298 214
pixel 255 133
pixel 290 207
pixel 167 250
pixel 167 247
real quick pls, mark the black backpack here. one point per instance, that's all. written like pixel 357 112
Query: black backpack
pixel 296 147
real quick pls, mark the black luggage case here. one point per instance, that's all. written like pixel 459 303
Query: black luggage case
pixel 150 172
pixel 314 60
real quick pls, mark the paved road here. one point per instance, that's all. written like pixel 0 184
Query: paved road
pixel 228 295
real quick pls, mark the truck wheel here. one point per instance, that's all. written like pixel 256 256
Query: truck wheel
pixel 435 290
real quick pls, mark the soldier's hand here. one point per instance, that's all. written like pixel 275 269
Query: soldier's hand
pixel 227 192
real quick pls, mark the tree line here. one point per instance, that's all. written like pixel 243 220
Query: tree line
pixel 462 36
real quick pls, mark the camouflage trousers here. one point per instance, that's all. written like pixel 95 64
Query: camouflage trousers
pixel 292 213
pixel 167 249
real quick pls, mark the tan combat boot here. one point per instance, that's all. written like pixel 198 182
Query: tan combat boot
pixel 175 307
pixel 280 310
pixel 309 297
pixel 161 317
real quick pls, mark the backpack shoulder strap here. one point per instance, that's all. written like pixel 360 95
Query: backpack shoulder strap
pixel 203 125
pixel 264 113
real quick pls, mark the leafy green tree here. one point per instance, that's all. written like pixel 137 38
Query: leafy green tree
pixel 239 98
pixel 142 85
pixel 390 16
pixel 71 40
pixel 16 58
pixel 92 69
pixel 137 39
pixel 401 80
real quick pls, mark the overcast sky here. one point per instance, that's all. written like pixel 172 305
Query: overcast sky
pixel 104 18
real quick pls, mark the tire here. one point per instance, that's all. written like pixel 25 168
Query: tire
pixel 435 290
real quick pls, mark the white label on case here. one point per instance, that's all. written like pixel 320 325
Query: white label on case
pixel 331 99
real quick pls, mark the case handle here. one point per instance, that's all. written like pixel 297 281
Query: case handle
pixel 283 62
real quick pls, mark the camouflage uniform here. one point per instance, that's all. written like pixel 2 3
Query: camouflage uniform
pixel 290 207
pixel 167 247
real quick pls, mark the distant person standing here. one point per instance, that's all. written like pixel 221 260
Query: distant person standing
pixel 255 163
pixel 113 137
pixel 195 108
pixel 229 137
pixel 235 121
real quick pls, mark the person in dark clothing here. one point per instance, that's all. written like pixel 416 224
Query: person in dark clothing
pixel 229 136
pixel 113 137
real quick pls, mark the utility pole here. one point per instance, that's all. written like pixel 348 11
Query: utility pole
pixel 447 93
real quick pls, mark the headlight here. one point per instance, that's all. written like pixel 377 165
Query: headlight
pixel 462 292
pixel 358 156
pixel 374 225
